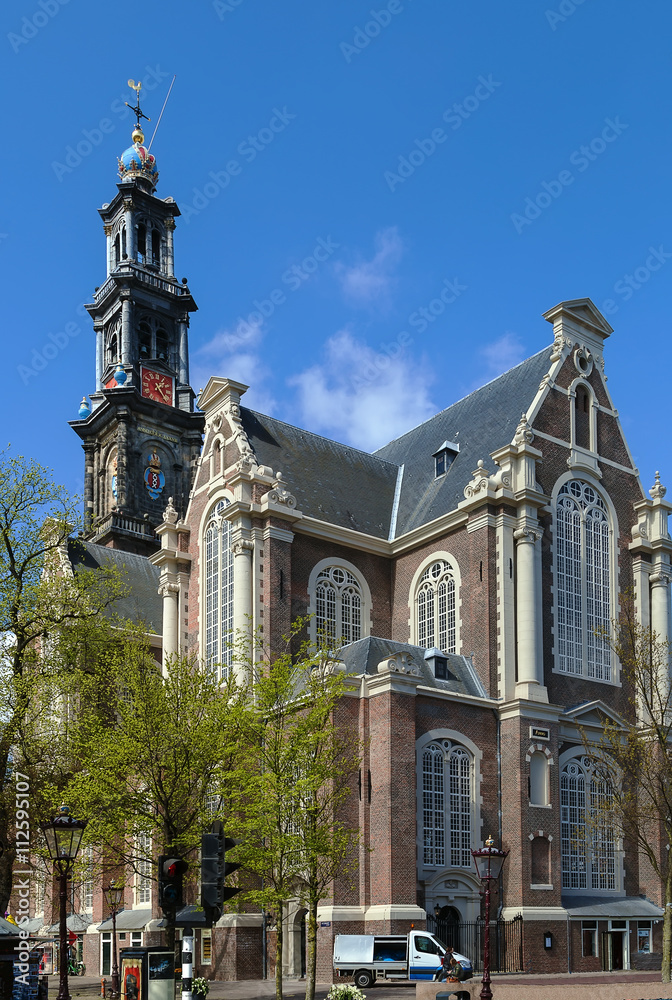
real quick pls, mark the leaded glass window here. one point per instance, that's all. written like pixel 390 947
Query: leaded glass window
pixel 435 608
pixel 218 591
pixel 583 599
pixel 338 605
pixel 446 805
pixel 588 842
pixel 143 868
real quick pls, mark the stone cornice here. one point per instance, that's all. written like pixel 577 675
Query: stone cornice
pixel 518 708
pixel 458 696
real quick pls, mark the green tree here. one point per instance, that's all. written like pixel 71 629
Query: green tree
pixel 293 838
pixel 633 759
pixel 149 767
pixel 40 599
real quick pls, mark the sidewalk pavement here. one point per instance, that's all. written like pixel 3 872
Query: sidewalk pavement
pixel 614 985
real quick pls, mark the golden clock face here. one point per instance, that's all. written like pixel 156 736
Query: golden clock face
pixel 157 386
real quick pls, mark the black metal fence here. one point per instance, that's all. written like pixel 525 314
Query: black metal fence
pixel 506 941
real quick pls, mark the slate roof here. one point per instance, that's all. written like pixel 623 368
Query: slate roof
pixel 625 907
pixel 128 920
pixel 363 657
pixel 332 482
pixel 481 422
pixel 142 604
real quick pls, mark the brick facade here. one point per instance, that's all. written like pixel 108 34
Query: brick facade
pixel 507 706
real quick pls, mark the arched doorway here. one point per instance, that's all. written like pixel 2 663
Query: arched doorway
pixel 448 926
pixel 295 941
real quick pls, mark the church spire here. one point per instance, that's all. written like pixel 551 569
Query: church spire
pixel 141 434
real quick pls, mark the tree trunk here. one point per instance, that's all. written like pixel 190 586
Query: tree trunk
pixel 667 928
pixel 278 953
pixel 311 949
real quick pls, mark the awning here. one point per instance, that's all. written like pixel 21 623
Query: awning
pixel 128 920
pixel 625 908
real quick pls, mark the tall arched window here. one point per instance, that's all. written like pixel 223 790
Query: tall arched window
pixel 446 805
pixel 338 605
pixel 435 608
pixel 588 837
pixel 218 591
pixel 583 599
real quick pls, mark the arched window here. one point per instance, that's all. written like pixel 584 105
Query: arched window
pixel 338 605
pixel 112 349
pixel 446 805
pixel 117 249
pixel 583 598
pixel 145 339
pixel 587 832
pixel 218 591
pixel 435 608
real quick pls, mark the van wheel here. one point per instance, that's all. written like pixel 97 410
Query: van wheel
pixel 363 979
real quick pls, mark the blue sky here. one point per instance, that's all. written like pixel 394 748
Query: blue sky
pixel 338 166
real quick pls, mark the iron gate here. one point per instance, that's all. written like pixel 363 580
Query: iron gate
pixel 506 941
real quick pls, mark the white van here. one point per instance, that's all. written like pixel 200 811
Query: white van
pixel 368 957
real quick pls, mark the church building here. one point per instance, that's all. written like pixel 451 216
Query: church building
pixel 468 566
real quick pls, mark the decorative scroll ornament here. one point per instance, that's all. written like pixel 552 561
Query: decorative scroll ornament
pixel 399 663
pixel 526 534
pixel 479 483
pixel 170 514
pixel 280 493
pixel 524 433
pixel 242 546
pixel 154 478
pixel 657 491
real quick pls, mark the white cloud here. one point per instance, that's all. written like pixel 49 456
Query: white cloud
pixel 363 397
pixel 500 355
pixel 219 357
pixel 372 280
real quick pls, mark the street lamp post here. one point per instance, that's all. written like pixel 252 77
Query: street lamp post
pixel 63 835
pixel 489 861
pixel 114 894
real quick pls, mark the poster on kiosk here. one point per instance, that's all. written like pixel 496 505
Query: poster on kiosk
pixel 147 974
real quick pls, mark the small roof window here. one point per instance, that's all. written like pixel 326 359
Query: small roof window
pixel 444 457
pixel 438 663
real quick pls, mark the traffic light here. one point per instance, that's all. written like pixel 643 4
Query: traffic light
pixel 214 871
pixel 171 876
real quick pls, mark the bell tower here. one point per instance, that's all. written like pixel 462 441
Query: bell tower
pixel 140 433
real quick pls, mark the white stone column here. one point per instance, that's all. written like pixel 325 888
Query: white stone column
pixel 530 667
pixel 660 603
pixel 243 622
pixel 108 244
pixel 170 592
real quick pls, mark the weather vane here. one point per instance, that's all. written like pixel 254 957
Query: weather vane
pixel 138 113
